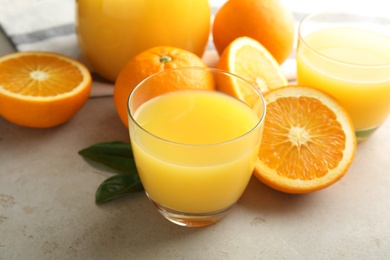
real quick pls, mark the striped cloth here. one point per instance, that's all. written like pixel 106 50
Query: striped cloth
pixel 46 25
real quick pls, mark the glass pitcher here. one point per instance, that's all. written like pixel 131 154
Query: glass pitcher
pixel 111 32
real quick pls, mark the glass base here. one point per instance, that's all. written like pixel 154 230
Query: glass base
pixel 362 135
pixel 190 219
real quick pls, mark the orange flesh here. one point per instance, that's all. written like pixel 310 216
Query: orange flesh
pixel 296 143
pixel 261 74
pixel 39 76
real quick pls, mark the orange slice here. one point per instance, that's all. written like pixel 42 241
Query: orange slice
pixel 247 58
pixel 42 89
pixel 308 141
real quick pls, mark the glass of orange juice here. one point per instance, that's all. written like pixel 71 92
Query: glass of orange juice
pixel 194 149
pixel 111 32
pixel 348 55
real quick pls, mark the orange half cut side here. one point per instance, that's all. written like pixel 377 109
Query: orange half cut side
pixel 308 141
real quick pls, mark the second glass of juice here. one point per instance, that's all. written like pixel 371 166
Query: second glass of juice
pixel 348 56
pixel 195 150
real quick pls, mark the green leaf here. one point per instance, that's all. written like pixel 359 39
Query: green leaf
pixel 116 155
pixel 117 186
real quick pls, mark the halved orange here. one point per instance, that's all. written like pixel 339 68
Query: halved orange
pixel 42 89
pixel 250 60
pixel 308 140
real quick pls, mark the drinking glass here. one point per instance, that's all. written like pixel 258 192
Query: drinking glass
pixel 347 54
pixel 194 149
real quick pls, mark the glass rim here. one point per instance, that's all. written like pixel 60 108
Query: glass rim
pixel 339 11
pixel 213 70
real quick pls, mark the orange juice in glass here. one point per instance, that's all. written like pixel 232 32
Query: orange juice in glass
pixel 195 150
pixel 348 56
pixel 111 32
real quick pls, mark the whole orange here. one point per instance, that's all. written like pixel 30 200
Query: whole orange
pixel 267 21
pixel 150 62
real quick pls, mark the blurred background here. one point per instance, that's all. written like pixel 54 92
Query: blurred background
pixel 49 25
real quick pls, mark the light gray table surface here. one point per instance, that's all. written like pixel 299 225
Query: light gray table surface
pixel 47 208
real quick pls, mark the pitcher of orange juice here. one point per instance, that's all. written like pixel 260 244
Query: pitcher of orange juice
pixel 111 32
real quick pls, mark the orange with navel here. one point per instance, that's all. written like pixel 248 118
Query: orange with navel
pixel 152 61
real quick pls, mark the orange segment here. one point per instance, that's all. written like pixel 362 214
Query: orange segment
pixel 41 89
pixel 308 141
pixel 247 58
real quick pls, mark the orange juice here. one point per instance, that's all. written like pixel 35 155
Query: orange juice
pixel 353 65
pixel 110 32
pixel 209 158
